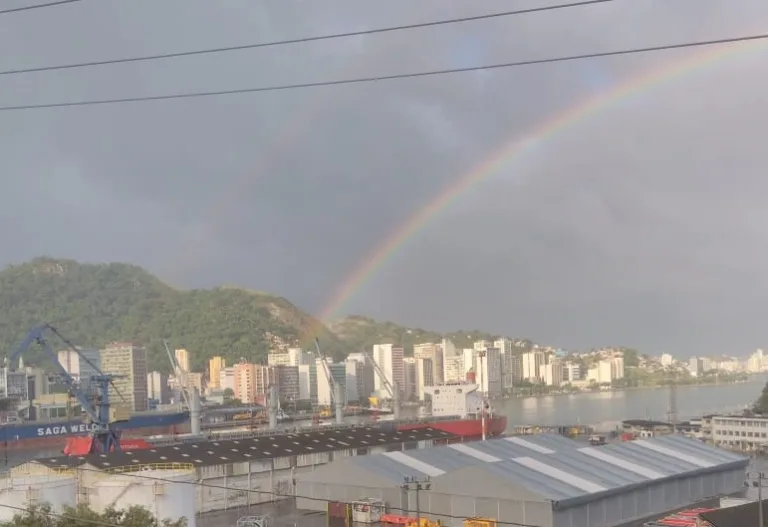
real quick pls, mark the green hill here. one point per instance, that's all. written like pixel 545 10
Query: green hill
pixel 362 332
pixel 92 304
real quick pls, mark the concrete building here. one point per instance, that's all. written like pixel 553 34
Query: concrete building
pixel 453 368
pixel 410 391
pixel 182 359
pixel 215 365
pixel 390 360
pixel 533 364
pixel 424 377
pixel 287 378
pixel 81 365
pixel 434 353
pixel 305 382
pixel 553 373
pixel 128 360
pixel 356 381
pixel 157 387
pixel 227 379
pixel 325 393
pixel 548 481
pixel 488 367
pixel 739 433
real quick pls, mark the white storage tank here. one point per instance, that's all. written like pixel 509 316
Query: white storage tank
pixel 59 490
pixel 166 492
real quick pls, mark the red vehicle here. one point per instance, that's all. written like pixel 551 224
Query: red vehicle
pixel 82 446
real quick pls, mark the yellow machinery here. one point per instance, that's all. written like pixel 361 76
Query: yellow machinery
pixel 481 522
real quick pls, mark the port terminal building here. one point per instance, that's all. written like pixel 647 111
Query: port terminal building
pixel 543 480
pixel 186 480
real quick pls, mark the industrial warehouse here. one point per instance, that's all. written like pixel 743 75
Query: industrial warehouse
pixel 545 481
pixel 188 479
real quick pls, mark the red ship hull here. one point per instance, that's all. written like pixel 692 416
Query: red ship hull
pixel 466 428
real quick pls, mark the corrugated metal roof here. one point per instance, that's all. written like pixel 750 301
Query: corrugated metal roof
pixel 556 467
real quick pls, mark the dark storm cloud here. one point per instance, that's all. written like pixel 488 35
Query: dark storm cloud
pixel 642 225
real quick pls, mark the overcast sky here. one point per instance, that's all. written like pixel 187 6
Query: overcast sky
pixel 642 225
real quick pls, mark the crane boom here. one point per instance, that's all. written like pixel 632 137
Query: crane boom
pixel 327 371
pixel 105 438
pixel 391 387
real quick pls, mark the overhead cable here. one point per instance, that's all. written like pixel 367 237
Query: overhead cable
pixel 379 78
pixel 301 40
pixel 37 6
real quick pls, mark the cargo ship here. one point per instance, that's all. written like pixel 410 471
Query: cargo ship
pixel 53 434
pixel 459 409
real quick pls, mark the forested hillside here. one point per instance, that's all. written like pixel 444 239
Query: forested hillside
pixel 93 304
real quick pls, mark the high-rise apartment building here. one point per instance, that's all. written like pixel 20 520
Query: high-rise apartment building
pixel 289 357
pixel 453 368
pixel 424 377
pixel 182 359
pixel 325 392
pixel 128 360
pixel 488 371
pixel 287 383
pixel 390 361
pixel 157 387
pixel 355 381
pixel 533 363
pixel 434 353
pixel 82 365
pixel 215 365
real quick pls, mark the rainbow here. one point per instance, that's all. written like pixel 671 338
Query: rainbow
pixel 511 152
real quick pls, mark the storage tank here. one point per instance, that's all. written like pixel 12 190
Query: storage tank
pixel 167 491
pixel 59 490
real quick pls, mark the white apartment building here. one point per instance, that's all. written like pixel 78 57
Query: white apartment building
pixel 325 393
pixel 434 353
pixel 305 382
pixel 573 372
pixel 553 373
pixel 666 359
pixel 756 362
pixel 505 346
pixel 533 363
pixel 289 357
pixel 424 376
pixel 470 358
pixel 453 368
pixel 607 370
pixel 227 379
pixel 389 358
pixel 488 372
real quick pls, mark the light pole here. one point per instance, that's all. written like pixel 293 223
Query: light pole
pixel 757 479
pixel 417 485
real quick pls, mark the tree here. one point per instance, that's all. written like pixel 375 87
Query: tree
pixel 761 405
pixel 82 516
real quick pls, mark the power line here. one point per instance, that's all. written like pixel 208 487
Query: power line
pixel 390 29
pixel 363 80
pixel 275 494
pixel 37 6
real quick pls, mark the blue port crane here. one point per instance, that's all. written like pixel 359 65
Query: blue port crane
pixel 105 438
